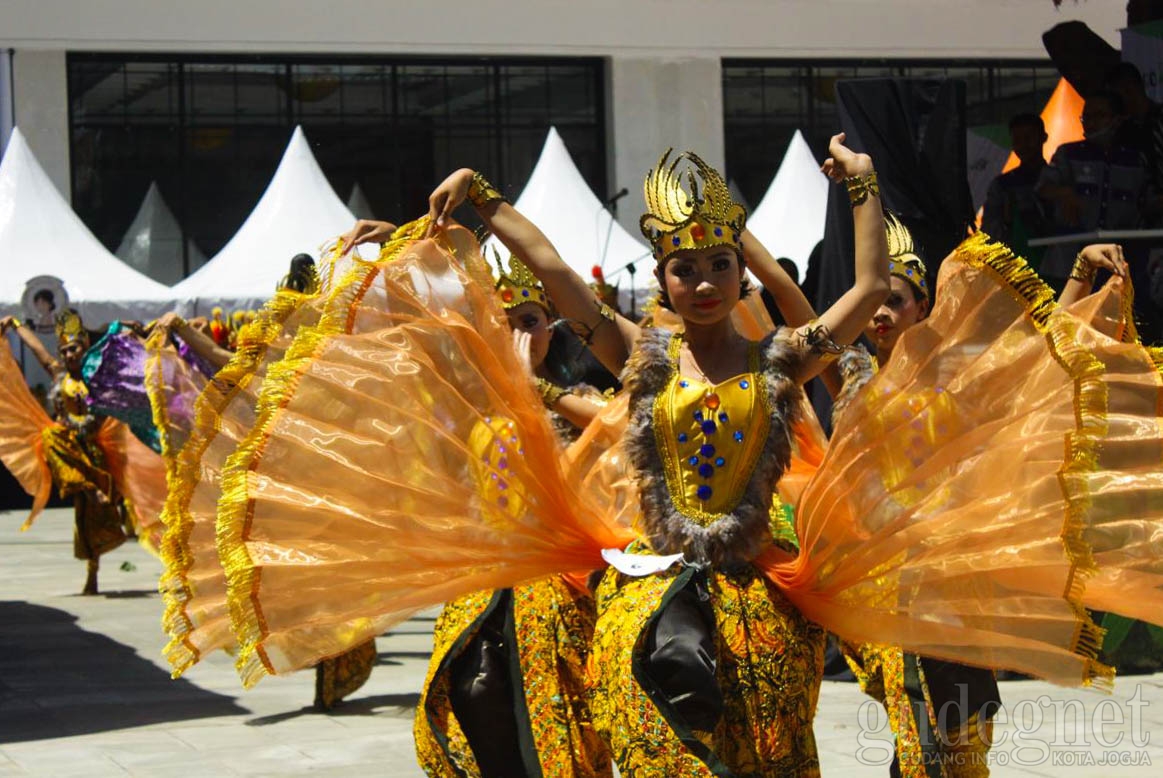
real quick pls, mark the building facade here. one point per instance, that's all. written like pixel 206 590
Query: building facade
pixel 200 98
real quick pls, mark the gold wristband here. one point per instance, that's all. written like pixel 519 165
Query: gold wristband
pixel 1082 270
pixel 860 188
pixel 481 192
pixel 550 393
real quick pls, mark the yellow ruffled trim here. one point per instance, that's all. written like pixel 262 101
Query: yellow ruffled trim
pixel 235 508
pixel 1082 444
pixel 184 473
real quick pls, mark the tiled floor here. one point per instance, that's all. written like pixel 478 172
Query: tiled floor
pixel 84 690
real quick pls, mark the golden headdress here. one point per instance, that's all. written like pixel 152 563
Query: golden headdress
pixel 518 285
pixel 690 218
pixel 903 262
pixel 70 329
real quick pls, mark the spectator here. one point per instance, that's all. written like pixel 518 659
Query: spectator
pixel 1143 127
pixel 1013 211
pixel 1093 184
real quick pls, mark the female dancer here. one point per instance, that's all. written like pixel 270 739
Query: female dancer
pixel 702 667
pixel 351 500
pixel 71 447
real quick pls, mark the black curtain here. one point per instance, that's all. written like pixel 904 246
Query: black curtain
pixel 914 129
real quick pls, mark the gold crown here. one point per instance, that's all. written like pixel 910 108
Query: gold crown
pixel 70 328
pixel 903 261
pixel 518 285
pixel 677 219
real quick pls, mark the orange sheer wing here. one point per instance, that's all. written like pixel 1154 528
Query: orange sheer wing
pixel 351 503
pixel 1000 473
pixel 193 585
pixel 22 419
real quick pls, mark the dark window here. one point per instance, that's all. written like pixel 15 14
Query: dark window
pixel 766 101
pixel 210 130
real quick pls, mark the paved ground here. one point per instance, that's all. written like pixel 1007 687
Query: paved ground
pixel 84 691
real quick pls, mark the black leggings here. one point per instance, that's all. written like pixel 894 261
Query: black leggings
pixel 481 693
pixel 680 657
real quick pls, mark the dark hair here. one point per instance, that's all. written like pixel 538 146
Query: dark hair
pixel 745 287
pixel 1113 99
pixel 1031 120
pixel 789 267
pixel 568 362
pixel 1123 73
pixel 301 276
pixel 45 295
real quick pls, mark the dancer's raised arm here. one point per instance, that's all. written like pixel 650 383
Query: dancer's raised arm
pixel 610 336
pixel 843 322
pixel 1099 256
pixel 50 363
pixel 793 305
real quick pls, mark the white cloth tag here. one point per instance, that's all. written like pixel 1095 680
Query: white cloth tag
pixel 638 565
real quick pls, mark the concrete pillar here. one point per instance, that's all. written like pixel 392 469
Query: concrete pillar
pixel 655 104
pixel 41 110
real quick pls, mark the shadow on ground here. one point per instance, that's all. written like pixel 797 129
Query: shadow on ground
pixel 58 680
pixel 356 706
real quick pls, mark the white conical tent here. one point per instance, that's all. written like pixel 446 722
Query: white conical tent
pixel 560 202
pixel 41 236
pixel 298 213
pixel 358 204
pixel 789 221
pixel 153 243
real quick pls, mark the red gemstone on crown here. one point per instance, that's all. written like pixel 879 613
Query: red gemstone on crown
pixel 712 401
pixel 507 296
pixel 698 232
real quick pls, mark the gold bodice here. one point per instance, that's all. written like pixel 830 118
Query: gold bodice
pixel 710 436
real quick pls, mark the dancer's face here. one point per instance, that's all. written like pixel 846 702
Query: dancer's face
pixel 71 355
pixel 702 284
pixel 531 318
pixel 900 311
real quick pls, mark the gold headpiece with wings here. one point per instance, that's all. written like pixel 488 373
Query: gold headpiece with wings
pixel 903 261
pixel 693 217
pixel 518 285
pixel 70 328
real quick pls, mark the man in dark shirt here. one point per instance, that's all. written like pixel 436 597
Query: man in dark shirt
pixel 1093 184
pixel 1013 211
pixel 1143 126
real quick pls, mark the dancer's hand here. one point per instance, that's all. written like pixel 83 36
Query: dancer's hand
pixel 366 231
pixel 1106 256
pixel 169 322
pixel 8 323
pixel 523 345
pixel 844 162
pixel 447 197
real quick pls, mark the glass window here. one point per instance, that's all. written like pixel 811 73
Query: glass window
pixel 210 130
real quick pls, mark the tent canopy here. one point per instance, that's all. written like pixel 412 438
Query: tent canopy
pixel 297 214
pixel 153 242
pixel 560 202
pixel 789 220
pixel 41 236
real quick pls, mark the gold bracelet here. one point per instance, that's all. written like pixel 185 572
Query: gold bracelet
pixel 481 192
pixel 550 393
pixel 860 188
pixel 1082 271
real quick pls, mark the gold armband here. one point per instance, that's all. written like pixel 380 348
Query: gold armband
pixel 550 393
pixel 585 331
pixel 1082 270
pixel 481 192
pixel 860 188
pixel 817 340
